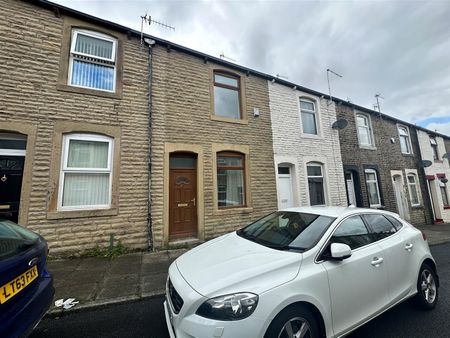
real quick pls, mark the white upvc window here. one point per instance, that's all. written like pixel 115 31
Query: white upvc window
pixel 373 189
pixel 405 139
pixel 86 172
pixel 413 189
pixel 308 114
pixel 444 194
pixel 92 61
pixel 316 183
pixel 434 148
pixel 364 129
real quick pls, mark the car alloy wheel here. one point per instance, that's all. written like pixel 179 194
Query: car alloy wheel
pixel 297 327
pixel 428 286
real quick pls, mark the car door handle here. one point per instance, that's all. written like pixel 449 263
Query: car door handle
pixel 377 261
pixel 409 246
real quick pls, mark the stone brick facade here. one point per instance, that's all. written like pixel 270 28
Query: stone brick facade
pixel 436 174
pixel 387 159
pixel 36 101
pixel 183 121
pixel 295 149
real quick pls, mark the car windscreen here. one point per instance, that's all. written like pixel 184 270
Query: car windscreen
pixel 14 239
pixel 285 230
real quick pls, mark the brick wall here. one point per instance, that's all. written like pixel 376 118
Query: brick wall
pixel 181 114
pixel 386 156
pixel 291 145
pixel 30 51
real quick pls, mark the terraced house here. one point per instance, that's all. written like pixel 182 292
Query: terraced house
pixel 437 174
pixel 382 163
pixel 212 156
pixel 306 149
pixel 73 127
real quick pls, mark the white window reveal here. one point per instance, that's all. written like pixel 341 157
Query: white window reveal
pixel 92 61
pixel 405 140
pixel 364 130
pixel 373 189
pixel 86 174
pixel 309 116
pixel 413 189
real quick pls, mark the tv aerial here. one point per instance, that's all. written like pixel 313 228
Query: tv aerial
pixel 147 19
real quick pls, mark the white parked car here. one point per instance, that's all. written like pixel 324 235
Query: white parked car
pixel 300 272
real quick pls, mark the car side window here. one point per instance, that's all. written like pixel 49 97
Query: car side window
pixel 380 225
pixel 398 225
pixel 352 232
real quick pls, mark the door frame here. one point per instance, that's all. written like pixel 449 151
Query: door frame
pixel 182 170
pixel 30 132
pixel 170 148
pixel 403 198
pixel 291 182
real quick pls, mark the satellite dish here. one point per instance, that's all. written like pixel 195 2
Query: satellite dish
pixel 340 124
pixel 444 180
pixel 425 163
pixel 446 155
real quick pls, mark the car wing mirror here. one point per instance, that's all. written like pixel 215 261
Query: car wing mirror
pixel 340 251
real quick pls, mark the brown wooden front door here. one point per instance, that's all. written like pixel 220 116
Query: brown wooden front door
pixel 183 203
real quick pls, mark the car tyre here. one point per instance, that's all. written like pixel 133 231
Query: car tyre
pixel 427 288
pixel 294 321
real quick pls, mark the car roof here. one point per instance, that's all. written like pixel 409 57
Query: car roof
pixel 335 211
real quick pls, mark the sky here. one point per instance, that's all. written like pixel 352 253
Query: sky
pixel 398 49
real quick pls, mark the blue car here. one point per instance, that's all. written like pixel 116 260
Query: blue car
pixel 26 288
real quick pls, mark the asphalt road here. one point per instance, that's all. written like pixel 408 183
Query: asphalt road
pixel 146 318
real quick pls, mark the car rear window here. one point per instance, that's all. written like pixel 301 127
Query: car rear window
pixel 380 225
pixel 14 239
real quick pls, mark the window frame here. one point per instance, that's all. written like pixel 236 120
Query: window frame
pixel 307 111
pixel 444 193
pixel 232 154
pixel 369 129
pixel 215 84
pixel 372 171
pixel 66 138
pixel 322 168
pixel 72 56
pixel 410 190
pixel 434 148
pixel 407 137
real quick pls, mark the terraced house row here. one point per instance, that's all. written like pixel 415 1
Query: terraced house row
pixel 104 136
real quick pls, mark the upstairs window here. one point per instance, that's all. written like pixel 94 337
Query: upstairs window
pixel 373 189
pixel 86 172
pixel 434 148
pixel 315 184
pixel 230 179
pixel 413 189
pixel 227 95
pixel 92 61
pixel 364 130
pixel 309 116
pixel 405 140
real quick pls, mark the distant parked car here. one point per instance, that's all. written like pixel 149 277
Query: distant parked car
pixel 301 272
pixel 26 288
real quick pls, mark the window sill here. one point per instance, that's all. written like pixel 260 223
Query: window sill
pixel 227 119
pixel 237 210
pixel 311 136
pixel 446 207
pixel 81 213
pixel 416 206
pixel 408 154
pixel 438 161
pixel 367 147
pixel 87 91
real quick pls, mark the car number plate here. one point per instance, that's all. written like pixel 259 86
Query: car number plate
pixel 19 283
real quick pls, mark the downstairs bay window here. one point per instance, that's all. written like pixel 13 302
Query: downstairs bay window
pixel 86 172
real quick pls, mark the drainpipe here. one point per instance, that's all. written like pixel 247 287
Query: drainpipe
pixel 150 44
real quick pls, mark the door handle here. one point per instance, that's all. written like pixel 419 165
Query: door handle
pixel 409 246
pixel 377 261
pixel 193 201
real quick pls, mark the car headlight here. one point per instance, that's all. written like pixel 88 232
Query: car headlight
pixel 229 307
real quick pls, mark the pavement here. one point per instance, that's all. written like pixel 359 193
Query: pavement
pixel 98 281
